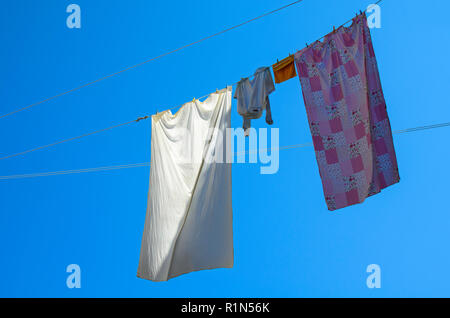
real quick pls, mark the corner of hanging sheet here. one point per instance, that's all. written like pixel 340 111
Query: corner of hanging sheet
pixel 223 90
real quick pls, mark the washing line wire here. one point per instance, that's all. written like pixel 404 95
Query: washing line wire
pixel 152 59
pixel 73 138
pixel 319 39
pixel 147 164
pixel 75 171
pixel 123 124
pixel 397 132
pixel 343 24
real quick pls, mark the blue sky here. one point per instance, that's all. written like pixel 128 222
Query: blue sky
pixel 287 244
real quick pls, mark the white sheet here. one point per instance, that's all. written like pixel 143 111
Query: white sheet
pixel 188 225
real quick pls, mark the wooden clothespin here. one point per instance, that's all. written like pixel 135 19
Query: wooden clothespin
pixel 334 29
pixel 141 118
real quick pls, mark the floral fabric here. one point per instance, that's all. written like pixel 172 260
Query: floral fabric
pixel 347 115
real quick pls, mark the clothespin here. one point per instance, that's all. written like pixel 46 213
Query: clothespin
pixel 141 118
pixel 334 29
pixel 360 12
pixel 307 44
pixel 193 100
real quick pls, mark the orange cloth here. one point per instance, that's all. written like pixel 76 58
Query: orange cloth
pixel 284 70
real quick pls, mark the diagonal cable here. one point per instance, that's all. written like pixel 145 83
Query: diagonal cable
pixel 72 138
pixel 151 59
pixel 146 164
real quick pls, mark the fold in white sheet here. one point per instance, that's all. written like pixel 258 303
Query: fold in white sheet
pixel 188 225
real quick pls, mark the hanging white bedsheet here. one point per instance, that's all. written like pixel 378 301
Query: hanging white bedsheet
pixel 188 225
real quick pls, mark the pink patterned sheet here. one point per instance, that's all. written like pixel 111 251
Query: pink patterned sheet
pixel 347 115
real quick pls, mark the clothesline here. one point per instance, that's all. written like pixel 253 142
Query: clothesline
pixel 140 118
pixel 147 164
pixel 319 39
pixel 73 138
pixel 151 59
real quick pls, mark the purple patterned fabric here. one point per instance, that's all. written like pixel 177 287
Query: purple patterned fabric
pixel 347 115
